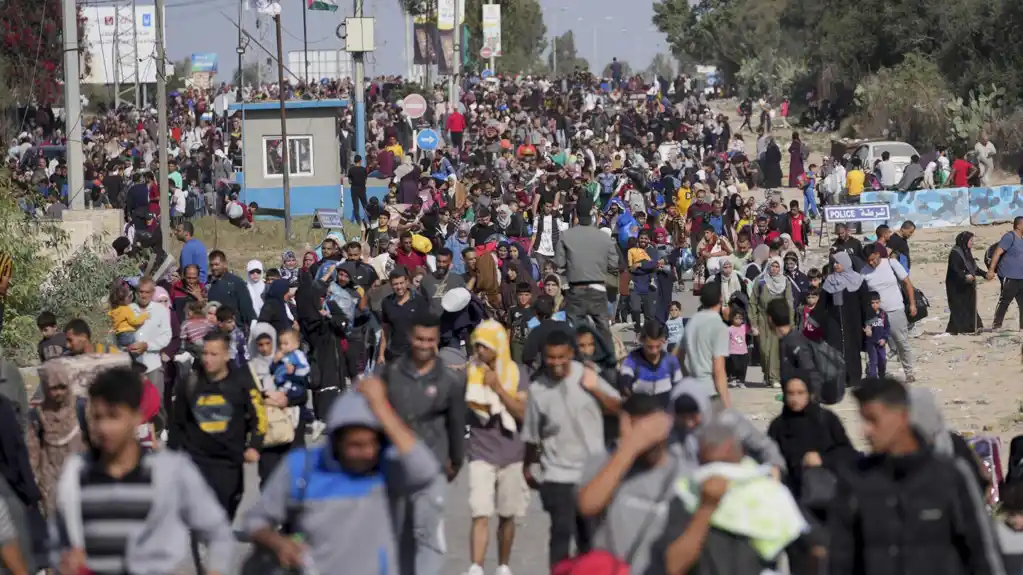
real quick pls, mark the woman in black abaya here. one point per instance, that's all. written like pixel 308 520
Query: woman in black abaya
pixel 961 287
pixel 841 312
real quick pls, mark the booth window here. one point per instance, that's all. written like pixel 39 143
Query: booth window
pixel 300 156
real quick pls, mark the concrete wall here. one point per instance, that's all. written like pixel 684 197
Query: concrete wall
pixel 952 207
pixel 83 224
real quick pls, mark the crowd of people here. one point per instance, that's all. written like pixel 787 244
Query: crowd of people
pixel 470 326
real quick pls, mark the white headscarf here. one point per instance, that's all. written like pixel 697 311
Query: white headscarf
pixel 256 288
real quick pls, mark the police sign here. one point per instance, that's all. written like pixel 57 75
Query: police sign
pixel 857 213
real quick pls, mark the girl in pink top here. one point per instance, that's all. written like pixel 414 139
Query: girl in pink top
pixel 738 351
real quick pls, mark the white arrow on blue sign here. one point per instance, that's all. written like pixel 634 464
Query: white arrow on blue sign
pixel 428 139
pixel 487 73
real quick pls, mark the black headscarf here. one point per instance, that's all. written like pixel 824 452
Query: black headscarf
pixel 962 248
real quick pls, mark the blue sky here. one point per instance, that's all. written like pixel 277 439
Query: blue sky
pixel 198 26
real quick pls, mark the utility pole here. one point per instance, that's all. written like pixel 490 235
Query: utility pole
pixel 305 42
pixel 432 32
pixel 494 52
pixel 240 49
pixel 410 55
pixel 286 165
pixel 360 87
pixel 117 56
pixel 161 119
pixel 73 107
pixel 456 35
pixel 135 53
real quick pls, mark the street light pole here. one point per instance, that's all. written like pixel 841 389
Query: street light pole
pixel 285 145
pixel 161 126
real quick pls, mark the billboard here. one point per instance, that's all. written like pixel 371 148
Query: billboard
pixel 492 27
pixel 204 63
pixel 110 34
pixel 323 64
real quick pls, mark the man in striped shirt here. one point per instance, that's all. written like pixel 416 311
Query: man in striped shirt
pixel 650 369
pixel 121 511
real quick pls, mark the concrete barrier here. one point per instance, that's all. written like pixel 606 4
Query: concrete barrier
pixel 952 207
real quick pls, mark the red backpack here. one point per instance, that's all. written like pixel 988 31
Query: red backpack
pixel 596 562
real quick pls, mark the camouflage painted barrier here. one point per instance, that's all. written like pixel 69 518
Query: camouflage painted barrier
pixel 996 205
pixel 943 208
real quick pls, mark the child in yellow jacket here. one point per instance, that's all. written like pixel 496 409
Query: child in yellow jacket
pixel 123 317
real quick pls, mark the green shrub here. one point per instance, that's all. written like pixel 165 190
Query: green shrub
pixel 49 276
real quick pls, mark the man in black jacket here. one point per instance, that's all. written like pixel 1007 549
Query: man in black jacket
pixel 905 510
pixel 228 289
pixel 794 353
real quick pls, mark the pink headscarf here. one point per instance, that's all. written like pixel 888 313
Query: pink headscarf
pixel 161 296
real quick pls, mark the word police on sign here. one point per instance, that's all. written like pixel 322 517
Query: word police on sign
pixel 857 213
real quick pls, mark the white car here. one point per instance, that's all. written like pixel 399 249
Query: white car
pixel 900 153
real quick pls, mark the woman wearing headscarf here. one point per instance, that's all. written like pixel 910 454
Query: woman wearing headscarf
pixel 731 282
pixel 795 161
pixel 841 311
pixel 255 283
pixel 961 287
pixel 800 282
pixel 53 432
pixel 759 261
pixel 513 274
pixel 308 262
pixel 552 287
pixel 808 435
pixel 289 266
pixel 771 285
pixel 276 310
pixel 770 164
pixel 486 283
pixel 167 354
pixel 323 326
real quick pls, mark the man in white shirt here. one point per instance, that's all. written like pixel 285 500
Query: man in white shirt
pixel 543 239
pixel 886 171
pixel 154 335
pixel 986 152
pixel 884 276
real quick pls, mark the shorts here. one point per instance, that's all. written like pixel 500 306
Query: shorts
pixel 497 489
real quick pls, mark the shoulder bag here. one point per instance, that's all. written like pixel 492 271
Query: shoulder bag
pixel 280 421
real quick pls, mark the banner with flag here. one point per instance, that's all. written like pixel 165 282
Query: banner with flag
pixel 268 7
pixel 327 5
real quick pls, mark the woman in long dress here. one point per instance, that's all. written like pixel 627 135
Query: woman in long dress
pixel 796 170
pixel 771 285
pixel 841 311
pixel 961 287
pixel 771 167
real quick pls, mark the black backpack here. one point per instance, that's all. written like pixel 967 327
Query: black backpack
pixel 830 364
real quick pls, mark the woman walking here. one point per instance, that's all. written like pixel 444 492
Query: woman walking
pixel 961 287
pixel 841 313
pixel 770 286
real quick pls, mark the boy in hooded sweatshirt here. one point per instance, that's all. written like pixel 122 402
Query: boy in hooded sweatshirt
pixel 344 511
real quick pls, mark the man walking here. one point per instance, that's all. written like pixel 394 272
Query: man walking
pixel 230 290
pixel 357 175
pixel 430 398
pixel 884 276
pixel 562 428
pixel 154 334
pixel 193 252
pixel 1007 263
pixel 588 255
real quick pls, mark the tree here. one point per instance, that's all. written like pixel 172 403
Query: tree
pixel 660 66
pixel 249 75
pixel 563 52
pixel 182 70
pixel 626 69
pixel 31 42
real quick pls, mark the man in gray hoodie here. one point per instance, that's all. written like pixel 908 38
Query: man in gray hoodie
pixel 339 497
pixel 588 255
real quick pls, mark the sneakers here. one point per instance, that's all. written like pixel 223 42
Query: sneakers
pixel 475 570
pixel 503 570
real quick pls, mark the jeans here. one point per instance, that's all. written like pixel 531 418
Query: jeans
pixel 647 306
pixel 359 197
pixel 899 340
pixel 125 338
pixel 582 302
pixel 810 203
pixel 877 360
pixel 421 515
pixel 1011 290
pixel 559 502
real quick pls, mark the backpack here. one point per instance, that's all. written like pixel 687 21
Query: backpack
pixel 830 364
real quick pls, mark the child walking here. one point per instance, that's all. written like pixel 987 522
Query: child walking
pixel 877 330
pixel 123 316
pixel 738 351
pixel 810 330
pixel 675 325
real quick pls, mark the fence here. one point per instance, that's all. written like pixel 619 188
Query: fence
pixel 952 207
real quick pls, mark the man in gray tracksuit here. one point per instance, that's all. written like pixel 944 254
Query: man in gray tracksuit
pixel 430 398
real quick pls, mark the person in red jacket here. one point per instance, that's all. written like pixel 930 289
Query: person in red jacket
pixel 456 125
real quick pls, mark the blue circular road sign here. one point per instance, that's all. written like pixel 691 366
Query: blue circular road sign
pixel 428 139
